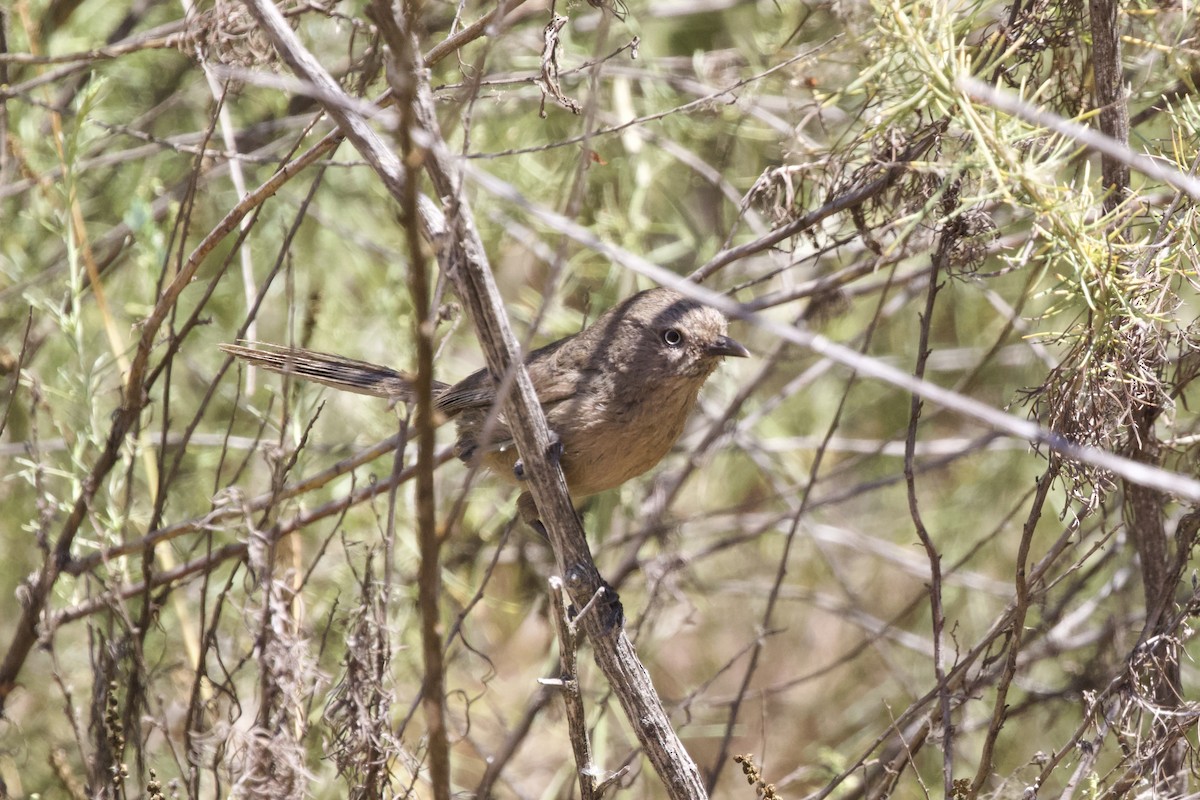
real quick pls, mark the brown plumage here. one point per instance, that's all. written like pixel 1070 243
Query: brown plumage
pixel 617 394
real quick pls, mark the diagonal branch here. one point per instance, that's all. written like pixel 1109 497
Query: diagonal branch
pixel 464 260
pixel 1173 483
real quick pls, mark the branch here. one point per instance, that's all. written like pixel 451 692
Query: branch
pixel 232 550
pixel 133 399
pixel 1110 98
pixel 1009 424
pixel 1105 145
pixel 937 610
pixel 429 571
pixel 463 259
pixel 568 685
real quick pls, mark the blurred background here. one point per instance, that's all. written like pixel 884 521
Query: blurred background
pixel 209 583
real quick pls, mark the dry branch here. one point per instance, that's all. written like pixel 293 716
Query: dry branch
pixel 1173 483
pixel 463 259
pixel 567 684
pixel 134 398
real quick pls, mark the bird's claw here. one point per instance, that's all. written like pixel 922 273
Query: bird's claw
pixel 554 453
pixel 465 451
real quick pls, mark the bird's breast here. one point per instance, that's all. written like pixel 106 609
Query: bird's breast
pixel 614 435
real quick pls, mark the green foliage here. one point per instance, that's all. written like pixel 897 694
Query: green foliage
pixel 222 623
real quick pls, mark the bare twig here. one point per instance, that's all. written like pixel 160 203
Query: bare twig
pixel 1173 483
pixel 568 685
pixel 227 511
pixel 946 242
pixel 1016 634
pixel 16 372
pixel 466 263
pixel 402 78
pixel 1110 98
pixel 234 550
pixel 1087 137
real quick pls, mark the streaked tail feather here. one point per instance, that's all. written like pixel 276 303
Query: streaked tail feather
pixel 331 370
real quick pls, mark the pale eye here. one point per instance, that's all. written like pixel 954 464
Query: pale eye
pixel 672 337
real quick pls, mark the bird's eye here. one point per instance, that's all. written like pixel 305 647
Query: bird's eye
pixel 672 337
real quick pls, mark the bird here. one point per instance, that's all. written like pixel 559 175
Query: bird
pixel 616 395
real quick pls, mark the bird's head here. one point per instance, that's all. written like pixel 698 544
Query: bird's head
pixel 674 336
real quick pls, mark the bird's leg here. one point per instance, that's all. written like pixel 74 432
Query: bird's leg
pixel 553 452
pixel 528 512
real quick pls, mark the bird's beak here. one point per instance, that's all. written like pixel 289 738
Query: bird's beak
pixel 724 346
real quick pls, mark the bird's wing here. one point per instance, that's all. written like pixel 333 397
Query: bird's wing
pixel 474 391
pixel 553 379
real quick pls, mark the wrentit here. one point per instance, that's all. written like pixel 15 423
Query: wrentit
pixel 617 394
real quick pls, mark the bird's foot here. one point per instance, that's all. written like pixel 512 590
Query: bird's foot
pixel 554 453
pixel 465 449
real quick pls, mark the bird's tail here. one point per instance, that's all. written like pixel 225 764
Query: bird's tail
pixel 338 372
